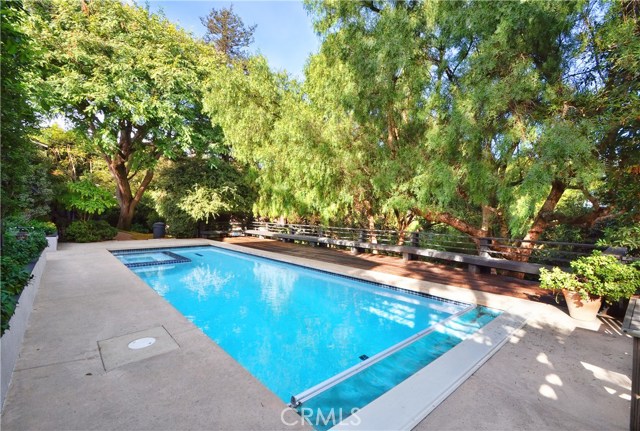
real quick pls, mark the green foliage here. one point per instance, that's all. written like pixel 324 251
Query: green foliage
pixel 308 159
pixel 196 189
pixel 614 60
pixel 90 231
pixel 202 203
pixel 88 198
pixel 49 228
pixel 79 175
pixel 128 81
pixel 36 192
pixel 14 279
pixel 481 115
pixel 505 119
pixel 14 276
pixel 69 153
pixel 22 242
pixel 624 236
pixel 557 279
pixel 25 189
pixel 596 275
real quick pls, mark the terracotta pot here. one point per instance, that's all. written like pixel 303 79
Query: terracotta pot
pixel 582 309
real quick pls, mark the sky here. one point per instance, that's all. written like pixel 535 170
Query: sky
pixel 284 34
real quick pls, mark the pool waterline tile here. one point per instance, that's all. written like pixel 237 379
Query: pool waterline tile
pixel 141 258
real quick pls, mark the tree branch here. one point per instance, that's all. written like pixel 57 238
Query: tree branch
pixel 543 218
pixel 464 57
pixel 148 176
pixel 140 133
pixel 587 219
pixel 369 5
pixel 451 220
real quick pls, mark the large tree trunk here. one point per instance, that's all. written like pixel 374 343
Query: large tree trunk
pixel 127 200
pixel 372 227
pixel 540 223
pixel 126 217
pixel 545 218
pixel 403 222
pixel 119 167
pixel 449 219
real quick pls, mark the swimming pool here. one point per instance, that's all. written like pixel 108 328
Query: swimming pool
pixel 317 340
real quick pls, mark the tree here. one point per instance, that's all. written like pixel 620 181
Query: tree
pixel 197 188
pixel 129 81
pixel 25 189
pixel 486 117
pixel 88 198
pixel 609 86
pixel 71 156
pixel 227 33
pixel 80 178
pixel 289 153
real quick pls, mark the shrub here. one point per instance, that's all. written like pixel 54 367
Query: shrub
pixel 623 236
pixel 137 227
pixel 90 231
pixel 22 242
pixel 14 279
pixel 7 309
pixel 88 198
pixel 596 275
pixel 194 189
pixel 47 227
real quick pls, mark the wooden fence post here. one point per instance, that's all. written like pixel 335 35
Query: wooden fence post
pixel 414 241
pixel 484 247
pixel 361 238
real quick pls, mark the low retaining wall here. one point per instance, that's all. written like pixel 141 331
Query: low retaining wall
pixel 52 243
pixel 12 339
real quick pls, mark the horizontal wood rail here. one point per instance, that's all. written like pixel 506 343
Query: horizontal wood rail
pixel 407 252
pixel 509 254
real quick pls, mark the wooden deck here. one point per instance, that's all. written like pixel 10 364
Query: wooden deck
pixel 413 269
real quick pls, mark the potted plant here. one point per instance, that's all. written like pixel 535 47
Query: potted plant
pixel 592 279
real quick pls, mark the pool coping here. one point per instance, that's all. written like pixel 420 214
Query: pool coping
pixel 397 408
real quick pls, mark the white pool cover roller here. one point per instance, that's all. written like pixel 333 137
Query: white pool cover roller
pixel 297 400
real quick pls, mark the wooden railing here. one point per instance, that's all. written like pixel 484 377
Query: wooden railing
pixel 221 230
pixel 538 252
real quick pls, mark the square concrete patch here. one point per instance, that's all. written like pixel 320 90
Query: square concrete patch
pixel 115 351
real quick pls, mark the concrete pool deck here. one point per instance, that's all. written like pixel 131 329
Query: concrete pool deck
pixel 551 374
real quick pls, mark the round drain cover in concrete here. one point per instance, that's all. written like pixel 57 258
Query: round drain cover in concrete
pixel 141 343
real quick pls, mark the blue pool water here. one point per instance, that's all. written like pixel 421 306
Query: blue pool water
pixel 294 327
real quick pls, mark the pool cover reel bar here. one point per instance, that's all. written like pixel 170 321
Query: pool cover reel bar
pixel 297 400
